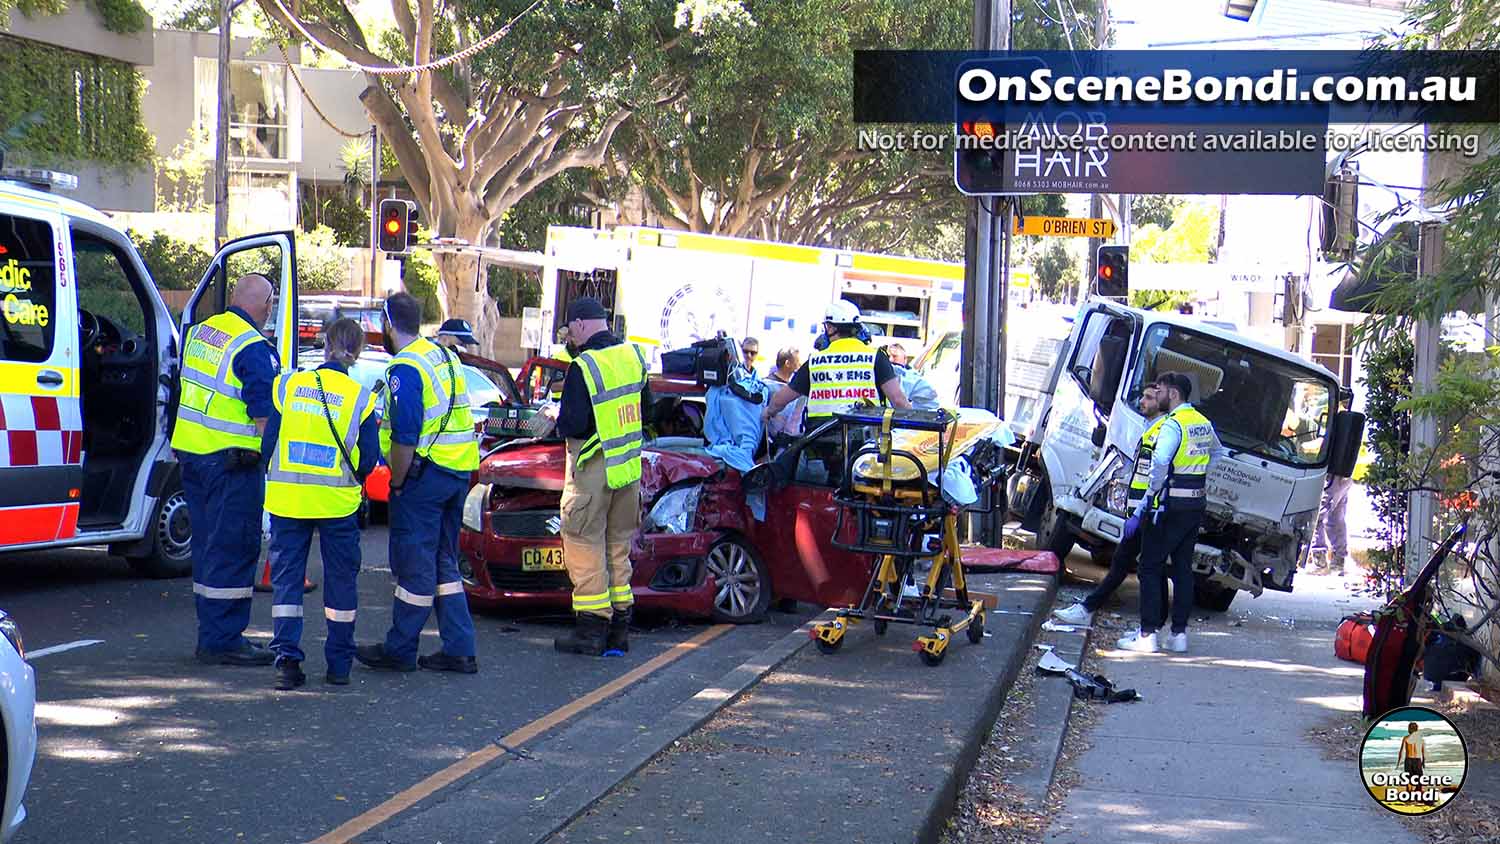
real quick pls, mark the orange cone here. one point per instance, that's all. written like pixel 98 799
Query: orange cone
pixel 263 584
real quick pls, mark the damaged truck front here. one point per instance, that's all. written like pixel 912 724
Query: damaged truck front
pixel 1276 415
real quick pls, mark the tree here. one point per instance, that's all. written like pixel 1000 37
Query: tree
pixel 1188 240
pixel 1154 208
pixel 1056 272
pixel 761 142
pixel 476 136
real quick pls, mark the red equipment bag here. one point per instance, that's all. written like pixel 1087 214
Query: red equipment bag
pixel 1352 641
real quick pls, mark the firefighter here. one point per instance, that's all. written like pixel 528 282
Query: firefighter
pixel 323 439
pixel 1130 540
pixel 843 373
pixel 1171 513
pixel 600 417
pixel 431 445
pixel 225 399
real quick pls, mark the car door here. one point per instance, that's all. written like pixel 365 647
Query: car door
pixel 41 424
pixel 272 255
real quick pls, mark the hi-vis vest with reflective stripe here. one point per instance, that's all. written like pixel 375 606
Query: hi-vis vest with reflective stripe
pixel 1141 480
pixel 615 376
pixel 308 477
pixel 1187 481
pixel 211 416
pixel 839 377
pixel 455 446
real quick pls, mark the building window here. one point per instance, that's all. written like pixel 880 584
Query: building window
pixel 1333 348
pixel 261 201
pixel 259 114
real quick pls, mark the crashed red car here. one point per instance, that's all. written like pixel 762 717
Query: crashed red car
pixel 700 552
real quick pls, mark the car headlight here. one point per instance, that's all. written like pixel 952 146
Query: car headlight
pixel 1117 496
pixel 674 510
pixel 474 504
pixel 12 633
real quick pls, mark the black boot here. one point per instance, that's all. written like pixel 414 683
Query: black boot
pixel 587 636
pixel 289 675
pixel 618 639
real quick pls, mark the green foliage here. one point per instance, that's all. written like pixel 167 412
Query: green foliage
pixel 1387 385
pixel 1154 209
pixel 181 177
pixel 122 16
pixel 1058 276
pixel 321 265
pixel 174 264
pixel 1189 239
pixel 34 8
pixel 345 216
pixel 99 123
pixel 422 278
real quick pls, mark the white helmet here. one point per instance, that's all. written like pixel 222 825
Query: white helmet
pixel 841 312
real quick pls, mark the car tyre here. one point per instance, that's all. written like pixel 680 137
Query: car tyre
pixel 171 553
pixel 1211 596
pixel 1053 534
pixel 744 582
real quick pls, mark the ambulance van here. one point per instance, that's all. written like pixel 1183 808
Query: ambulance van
pixel 89 355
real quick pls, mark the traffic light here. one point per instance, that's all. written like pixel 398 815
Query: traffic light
pixel 978 167
pixel 395 221
pixel 1112 279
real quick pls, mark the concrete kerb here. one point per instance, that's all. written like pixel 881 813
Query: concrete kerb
pixel 1053 708
pixel 576 797
pixel 943 799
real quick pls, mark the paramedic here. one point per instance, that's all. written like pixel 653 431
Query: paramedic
pixel 432 450
pixel 600 417
pixel 323 439
pixel 839 377
pixel 227 369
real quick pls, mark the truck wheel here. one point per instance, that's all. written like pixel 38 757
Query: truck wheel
pixel 1053 534
pixel 1211 596
pixel 171 552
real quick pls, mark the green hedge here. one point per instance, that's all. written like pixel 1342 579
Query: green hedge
pixel 59 107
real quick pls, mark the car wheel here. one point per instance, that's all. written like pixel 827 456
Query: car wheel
pixel 1211 596
pixel 1053 534
pixel 171 542
pixel 744 584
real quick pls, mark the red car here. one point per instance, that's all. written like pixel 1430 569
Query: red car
pixel 700 551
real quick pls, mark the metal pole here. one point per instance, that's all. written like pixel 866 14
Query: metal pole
pixel 221 133
pixel 375 289
pixel 1422 506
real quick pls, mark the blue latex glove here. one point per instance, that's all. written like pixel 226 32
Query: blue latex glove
pixel 1132 527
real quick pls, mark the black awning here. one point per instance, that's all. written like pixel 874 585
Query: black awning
pixel 1395 257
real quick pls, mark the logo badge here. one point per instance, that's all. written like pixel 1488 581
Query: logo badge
pixel 1413 761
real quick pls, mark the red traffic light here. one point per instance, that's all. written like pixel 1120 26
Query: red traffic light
pixel 1106 272
pixel 393 225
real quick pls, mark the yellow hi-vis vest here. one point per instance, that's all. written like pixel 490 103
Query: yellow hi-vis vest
pixel 454 445
pixel 211 416
pixel 839 377
pixel 1144 453
pixel 308 477
pixel 1187 481
pixel 615 376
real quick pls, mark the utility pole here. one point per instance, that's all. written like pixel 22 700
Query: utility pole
pixel 986 248
pixel 221 133
pixel 375 289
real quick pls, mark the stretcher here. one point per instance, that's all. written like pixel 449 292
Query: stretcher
pixel 892 494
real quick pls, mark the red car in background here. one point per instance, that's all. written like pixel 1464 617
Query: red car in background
pixel 700 551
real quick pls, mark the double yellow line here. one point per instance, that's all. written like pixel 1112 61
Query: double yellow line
pixel 368 820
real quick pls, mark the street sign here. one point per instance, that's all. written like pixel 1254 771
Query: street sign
pixel 1064 227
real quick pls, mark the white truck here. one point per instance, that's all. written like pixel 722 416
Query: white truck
pixel 669 289
pixel 1274 412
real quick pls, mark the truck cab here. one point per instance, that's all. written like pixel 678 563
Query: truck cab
pixel 1275 414
pixel 89 357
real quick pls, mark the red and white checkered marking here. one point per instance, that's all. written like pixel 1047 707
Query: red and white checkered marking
pixel 40 431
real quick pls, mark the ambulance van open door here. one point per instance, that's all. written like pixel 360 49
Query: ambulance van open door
pixel 272 255
pixel 41 427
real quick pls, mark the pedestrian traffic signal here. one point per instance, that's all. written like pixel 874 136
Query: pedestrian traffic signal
pixel 978 166
pixel 395 220
pixel 1113 276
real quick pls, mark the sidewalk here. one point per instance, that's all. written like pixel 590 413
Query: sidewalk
pixel 865 745
pixel 1217 752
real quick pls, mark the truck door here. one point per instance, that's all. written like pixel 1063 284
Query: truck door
pixel 272 255
pixel 41 425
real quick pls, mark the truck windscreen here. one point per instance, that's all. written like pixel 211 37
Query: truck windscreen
pixel 1258 403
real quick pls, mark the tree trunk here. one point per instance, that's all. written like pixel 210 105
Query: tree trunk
pixel 456 289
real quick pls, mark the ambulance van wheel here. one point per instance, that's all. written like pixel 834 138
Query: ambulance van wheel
pixel 1054 534
pixel 171 553
pixel 1211 596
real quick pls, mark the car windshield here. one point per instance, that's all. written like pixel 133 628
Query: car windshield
pixel 1258 403
pixel 942 356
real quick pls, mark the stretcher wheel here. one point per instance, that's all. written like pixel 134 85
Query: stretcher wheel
pixel 931 659
pixel 881 625
pixel 976 629
pixel 827 648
